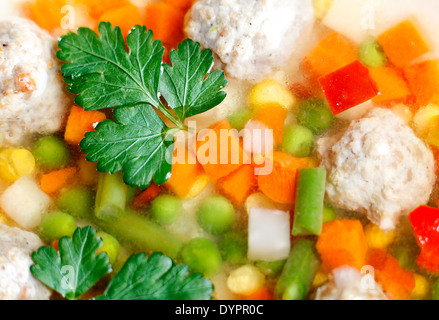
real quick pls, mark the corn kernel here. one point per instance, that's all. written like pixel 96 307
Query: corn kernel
pixel 422 287
pixel 259 200
pixel 271 91
pixel 15 163
pixel 377 238
pixel 320 278
pixel 245 280
pixel 198 186
pixel 321 7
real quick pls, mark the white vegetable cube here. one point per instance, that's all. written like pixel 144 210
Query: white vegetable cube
pixel 25 203
pixel 268 234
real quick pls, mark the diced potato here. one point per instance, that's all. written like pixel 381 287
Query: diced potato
pixel 268 234
pixel 245 280
pixel 270 91
pixel 25 203
pixel 377 238
pixel 321 7
pixel 425 118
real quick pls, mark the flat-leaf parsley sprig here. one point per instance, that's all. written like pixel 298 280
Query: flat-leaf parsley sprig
pixel 103 74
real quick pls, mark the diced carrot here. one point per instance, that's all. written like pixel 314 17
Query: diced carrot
pixel 261 294
pixel 273 116
pixel 54 181
pixel 219 150
pixel 184 174
pixel 97 8
pixel 397 283
pixel 342 242
pixel 182 4
pixel 166 23
pixel 403 43
pixel 125 17
pixel 280 184
pixel 88 173
pixel 391 85
pixel 332 53
pixel 47 13
pixel 79 122
pixel 423 80
pixel 54 244
pixel 238 185
pixel 146 196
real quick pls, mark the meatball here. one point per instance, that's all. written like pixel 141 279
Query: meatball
pixel 32 97
pixel 347 283
pixel 251 40
pixel 16 280
pixel 378 167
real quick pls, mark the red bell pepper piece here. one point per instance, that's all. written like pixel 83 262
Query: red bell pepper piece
pixel 348 87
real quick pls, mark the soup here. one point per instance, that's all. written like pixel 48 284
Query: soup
pixel 215 149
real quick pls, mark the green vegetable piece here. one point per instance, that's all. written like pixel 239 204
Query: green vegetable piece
pixel 216 214
pixel 111 196
pixel 314 114
pixel 51 153
pixel 233 247
pixel 406 252
pixel 271 268
pixel 156 278
pixel 166 208
pixel 239 118
pixel 299 271
pixel 78 202
pixel 297 141
pixel 55 225
pixel 435 290
pixel 202 255
pixel 110 246
pixel 310 195
pixel 77 266
pixel 329 213
pixel 371 54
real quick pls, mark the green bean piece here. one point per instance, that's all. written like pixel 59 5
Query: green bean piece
pixel 239 118
pixel 297 141
pixel 299 271
pixel 435 290
pixel 310 194
pixel 371 54
pixel 315 115
pixel 166 208
pixel 78 202
pixel 110 245
pixel 111 196
pixel 329 213
pixel 203 256
pixel 55 225
pixel 51 153
pixel 271 268
pixel 233 247
pixel 216 214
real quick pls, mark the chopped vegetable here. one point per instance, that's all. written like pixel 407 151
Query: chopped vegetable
pixel 332 53
pixel 403 44
pixel 47 15
pixel 55 225
pixel 125 17
pixel 245 280
pixel 146 196
pixel 108 76
pixel 16 163
pixel 88 173
pixel 321 7
pixel 25 203
pixel 51 153
pixel 216 214
pixel 329 213
pixel 268 234
pixel 391 85
pixel 348 87
pixel 308 212
pixel 166 208
pixel 110 246
pixel 435 290
pixel 98 7
pixel 315 115
pixel 239 118
pixel 299 271
pixel 261 294
pixel 79 122
pixel 79 202
pixel 371 54
pixel 297 141
pixel 270 91
pixel 273 115
pixel 111 196
pixel 202 255
pixel 377 238
pixel 238 185
pixel 397 283
pixel 271 268
pixel 421 290
pixel 233 247
pixel 54 181
pixel 423 80
pixel 342 242
pixel 258 139
pixel 280 184
pixel 183 4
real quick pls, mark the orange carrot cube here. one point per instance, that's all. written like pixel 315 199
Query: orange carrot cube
pixel 54 181
pixel 125 17
pixel 423 80
pixel 391 85
pixel 238 185
pixel 273 116
pixel 79 122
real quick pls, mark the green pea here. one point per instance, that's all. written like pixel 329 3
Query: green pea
pixel 110 245
pixel 216 214
pixel 297 141
pixel 233 247
pixel 51 152
pixel 79 202
pixel 55 225
pixel 315 115
pixel 166 208
pixel 239 118
pixel 202 255
pixel 371 54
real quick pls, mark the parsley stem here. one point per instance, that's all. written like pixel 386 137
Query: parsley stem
pixel 175 120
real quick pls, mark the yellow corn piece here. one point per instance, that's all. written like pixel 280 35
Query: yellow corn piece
pixel 15 163
pixel 422 287
pixel 271 91
pixel 320 278
pixel 198 186
pixel 425 119
pixel 321 7
pixel 245 280
pixel 432 136
pixel 377 238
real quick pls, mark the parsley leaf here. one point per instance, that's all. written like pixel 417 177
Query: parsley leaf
pixel 156 278
pixel 183 84
pixel 77 268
